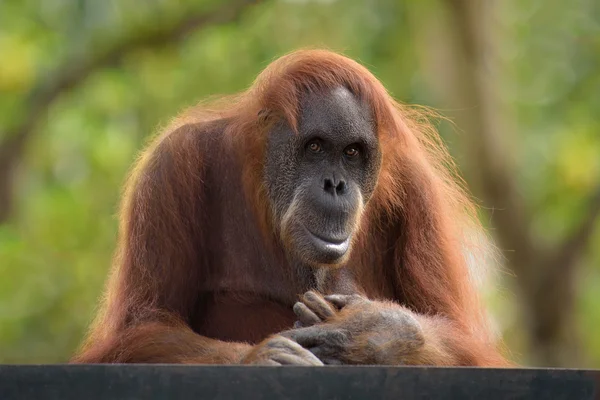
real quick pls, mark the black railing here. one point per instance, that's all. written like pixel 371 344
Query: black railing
pixel 87 382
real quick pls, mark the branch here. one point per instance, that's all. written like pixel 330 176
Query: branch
pixel 546 285
pixel 572 246
pixel 76 70
pixel 490 167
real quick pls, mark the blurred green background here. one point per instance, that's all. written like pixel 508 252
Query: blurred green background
pixel 84 83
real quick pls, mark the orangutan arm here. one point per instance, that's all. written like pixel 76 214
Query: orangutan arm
pixel 156 342
pixel 341 329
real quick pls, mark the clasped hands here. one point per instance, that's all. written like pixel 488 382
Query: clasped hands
pixel 342 329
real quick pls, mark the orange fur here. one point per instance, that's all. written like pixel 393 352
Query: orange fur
pixel 413 238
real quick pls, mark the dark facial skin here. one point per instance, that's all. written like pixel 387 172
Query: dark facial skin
pixel 320 179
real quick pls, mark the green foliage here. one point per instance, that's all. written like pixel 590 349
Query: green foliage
pixel 56 250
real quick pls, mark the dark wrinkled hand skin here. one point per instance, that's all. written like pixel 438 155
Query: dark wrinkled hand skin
pixel 278 350
pixel 351 329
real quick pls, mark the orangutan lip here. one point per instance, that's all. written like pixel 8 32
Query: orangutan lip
pixel 329 241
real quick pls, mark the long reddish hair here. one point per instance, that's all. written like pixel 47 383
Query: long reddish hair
pixel 418 183
pixel 413 158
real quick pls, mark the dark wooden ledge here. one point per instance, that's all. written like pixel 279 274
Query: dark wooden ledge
pixel 87 382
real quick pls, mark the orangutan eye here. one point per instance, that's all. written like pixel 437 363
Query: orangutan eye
pixel 351 151
pixel 314 146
